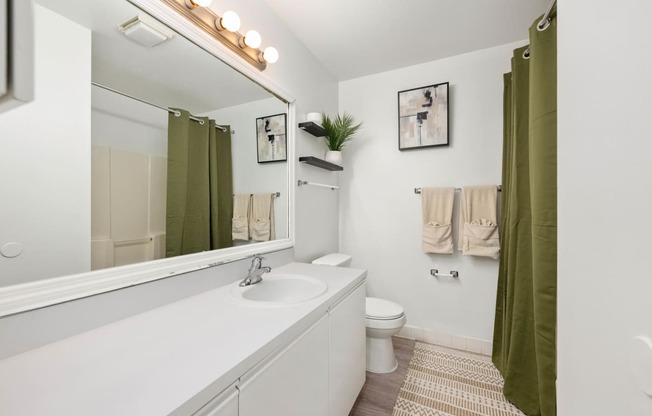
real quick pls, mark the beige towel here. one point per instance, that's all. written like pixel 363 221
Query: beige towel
pixel 478 221
pixel 240 221
pixel 261 222
pixel 437 212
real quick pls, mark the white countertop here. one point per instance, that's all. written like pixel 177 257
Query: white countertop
pixel 167 360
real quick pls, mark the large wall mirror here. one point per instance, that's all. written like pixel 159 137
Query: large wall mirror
pixel 138 220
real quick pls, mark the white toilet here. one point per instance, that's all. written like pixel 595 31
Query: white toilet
pixel 383 319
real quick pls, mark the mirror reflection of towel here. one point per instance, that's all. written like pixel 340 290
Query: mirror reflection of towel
pixel 240 221
pixel 261 222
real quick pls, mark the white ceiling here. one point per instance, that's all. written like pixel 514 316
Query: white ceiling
pixel 354 38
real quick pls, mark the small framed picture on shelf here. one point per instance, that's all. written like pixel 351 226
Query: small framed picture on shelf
pixel 271 137
pixel 423 117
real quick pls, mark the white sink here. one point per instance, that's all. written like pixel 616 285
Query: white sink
pixel 279 290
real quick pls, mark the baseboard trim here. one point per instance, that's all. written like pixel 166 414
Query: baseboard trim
pixel 476 345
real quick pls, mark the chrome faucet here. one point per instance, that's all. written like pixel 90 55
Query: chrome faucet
pixel 256 271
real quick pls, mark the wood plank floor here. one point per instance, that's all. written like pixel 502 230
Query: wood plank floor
pixel 379 392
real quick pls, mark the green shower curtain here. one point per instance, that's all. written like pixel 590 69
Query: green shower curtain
pixel 199 186
pixel 525 325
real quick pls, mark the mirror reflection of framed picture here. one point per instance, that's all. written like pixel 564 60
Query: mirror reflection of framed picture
pixel 423 117
pixel 271 136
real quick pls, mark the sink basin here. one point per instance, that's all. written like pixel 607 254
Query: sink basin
pixel 279 289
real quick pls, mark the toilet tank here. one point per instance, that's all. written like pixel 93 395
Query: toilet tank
pixel 334 259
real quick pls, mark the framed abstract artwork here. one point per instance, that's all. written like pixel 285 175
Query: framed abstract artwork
pixel 271 137
pixel 423 117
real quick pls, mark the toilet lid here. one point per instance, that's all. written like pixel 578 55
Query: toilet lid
pixel 383 309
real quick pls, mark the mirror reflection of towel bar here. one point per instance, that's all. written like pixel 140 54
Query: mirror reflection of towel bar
pixel 125 243
pixel 333 187
pixel 418 190
pixel 274 194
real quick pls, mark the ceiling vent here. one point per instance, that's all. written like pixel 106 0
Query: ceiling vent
pixel 145 31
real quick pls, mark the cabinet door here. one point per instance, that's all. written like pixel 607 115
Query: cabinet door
pixel 225 404
pixel 292 383
pixel 347 351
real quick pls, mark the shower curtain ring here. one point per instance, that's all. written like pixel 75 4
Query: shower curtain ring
pixel 543 24
pixel 177 113
pixel 526 54
pixel 201 122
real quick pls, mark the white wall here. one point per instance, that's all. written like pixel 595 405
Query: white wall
pixel 249 176
pixel 605 200
pixel 43 147
pixel 122 123
pixel 381 214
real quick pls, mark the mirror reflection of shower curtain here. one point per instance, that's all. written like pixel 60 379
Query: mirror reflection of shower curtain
pixel 199 186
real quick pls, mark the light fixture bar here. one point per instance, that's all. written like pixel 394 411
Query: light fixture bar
pixel 205 19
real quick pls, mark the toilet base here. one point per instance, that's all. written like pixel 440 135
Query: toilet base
pixel 380 355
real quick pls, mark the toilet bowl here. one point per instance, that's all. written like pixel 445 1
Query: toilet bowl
pixel 383 320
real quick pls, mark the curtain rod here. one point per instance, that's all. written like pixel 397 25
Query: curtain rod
pixel 274 194
pixel 499 188
pixel 169 110
pixel 543 23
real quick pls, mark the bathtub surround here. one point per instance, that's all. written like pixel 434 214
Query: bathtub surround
pixel 525 327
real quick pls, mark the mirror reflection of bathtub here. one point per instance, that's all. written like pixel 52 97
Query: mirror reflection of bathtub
pixel 66 220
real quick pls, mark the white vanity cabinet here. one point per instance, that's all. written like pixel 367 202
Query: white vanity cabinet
pixel 347 351
pixel 318 374
pixel 293 382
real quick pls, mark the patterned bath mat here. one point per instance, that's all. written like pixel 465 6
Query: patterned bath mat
pixel 443 381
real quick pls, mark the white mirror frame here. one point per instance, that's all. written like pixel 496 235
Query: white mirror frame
pixel 38 294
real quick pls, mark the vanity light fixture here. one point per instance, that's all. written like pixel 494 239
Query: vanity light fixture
pixel 229 21
pixel 225 29
pixel 251 39
pixel 270 54
pixel 192 4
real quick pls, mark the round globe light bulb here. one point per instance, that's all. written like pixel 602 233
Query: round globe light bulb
pixel 252 39
pixel 202 3
pixel 230 21
pixel 270 54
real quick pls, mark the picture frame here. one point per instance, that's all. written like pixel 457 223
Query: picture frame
pixel 423 117
pixel 271 138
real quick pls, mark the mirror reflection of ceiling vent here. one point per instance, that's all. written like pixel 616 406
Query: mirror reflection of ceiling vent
pixel 146 31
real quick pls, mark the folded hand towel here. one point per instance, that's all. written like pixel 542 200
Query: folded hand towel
pixel 261 222
pixel 437 213
pixel 478 222
pixel 240 221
